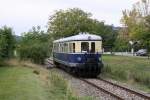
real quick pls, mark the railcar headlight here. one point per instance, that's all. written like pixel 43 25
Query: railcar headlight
pixel 79 59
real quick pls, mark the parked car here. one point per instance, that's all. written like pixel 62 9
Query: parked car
pixel 142 52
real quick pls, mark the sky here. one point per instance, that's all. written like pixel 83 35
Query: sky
pixel 21 15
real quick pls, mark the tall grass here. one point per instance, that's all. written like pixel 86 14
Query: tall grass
pixel 61 88
pixel 115 73
pixel 128 68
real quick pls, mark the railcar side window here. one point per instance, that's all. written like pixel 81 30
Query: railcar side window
pixel 61 47
pixel 56 47
pixel 73 47
pixel 84 46
pixel 70 47
pixel 65 47
pixel 92 47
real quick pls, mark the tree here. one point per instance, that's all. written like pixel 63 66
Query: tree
pixel 146 35
pixel 34 45
pixel 121 45
pixel 69 22
pixel 73 21
pixel 6 42
pixel 130 21
pixel 143 7
pixel 136 21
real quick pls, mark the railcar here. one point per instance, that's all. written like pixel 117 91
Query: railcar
pixel 80 54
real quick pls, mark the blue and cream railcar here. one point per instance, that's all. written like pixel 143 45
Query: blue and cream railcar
pixel 81 54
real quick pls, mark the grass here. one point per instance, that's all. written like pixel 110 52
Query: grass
pixel 62 89
pixel 132 70
pixel 20 83
pixel 27 81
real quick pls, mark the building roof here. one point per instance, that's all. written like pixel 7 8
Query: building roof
pixel 80 37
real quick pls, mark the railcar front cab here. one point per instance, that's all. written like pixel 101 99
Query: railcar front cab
pixel 87 55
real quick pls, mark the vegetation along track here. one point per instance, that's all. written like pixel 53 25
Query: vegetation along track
pixel 117 91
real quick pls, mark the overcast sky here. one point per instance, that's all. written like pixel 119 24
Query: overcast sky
pixel 21 15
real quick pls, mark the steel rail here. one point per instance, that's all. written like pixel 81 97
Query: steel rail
pixel 127 89
pixel 102 89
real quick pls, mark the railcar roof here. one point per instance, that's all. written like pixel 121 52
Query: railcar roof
pixel 80 36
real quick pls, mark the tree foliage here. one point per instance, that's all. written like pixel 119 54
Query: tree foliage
pixel 136 22
pixel 6 43
pixel 121 45
pixel 34 46
pixel 69 22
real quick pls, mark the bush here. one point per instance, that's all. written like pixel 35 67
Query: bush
pixel 34 46
pixel 121 45
pixel 36 53
pixel 6 43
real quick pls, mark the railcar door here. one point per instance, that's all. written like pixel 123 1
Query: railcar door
pixel 92 47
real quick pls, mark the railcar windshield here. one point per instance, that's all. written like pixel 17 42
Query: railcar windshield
pixel 84 46
pixel 89 47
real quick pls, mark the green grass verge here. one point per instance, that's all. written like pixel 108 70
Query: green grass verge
pixel 20 83
pixel 128 69
pixel 34 83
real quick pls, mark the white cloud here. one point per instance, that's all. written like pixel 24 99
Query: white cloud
pixel 23 14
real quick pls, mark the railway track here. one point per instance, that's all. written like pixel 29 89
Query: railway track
pixel 102 89
pixel 142 95
pixel 116 91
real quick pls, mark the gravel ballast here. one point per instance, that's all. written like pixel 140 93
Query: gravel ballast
pixel 83 89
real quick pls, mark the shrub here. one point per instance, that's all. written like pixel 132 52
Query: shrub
pixel 120 45
pixel 6 43
pixel 36 53
pixel 34 46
